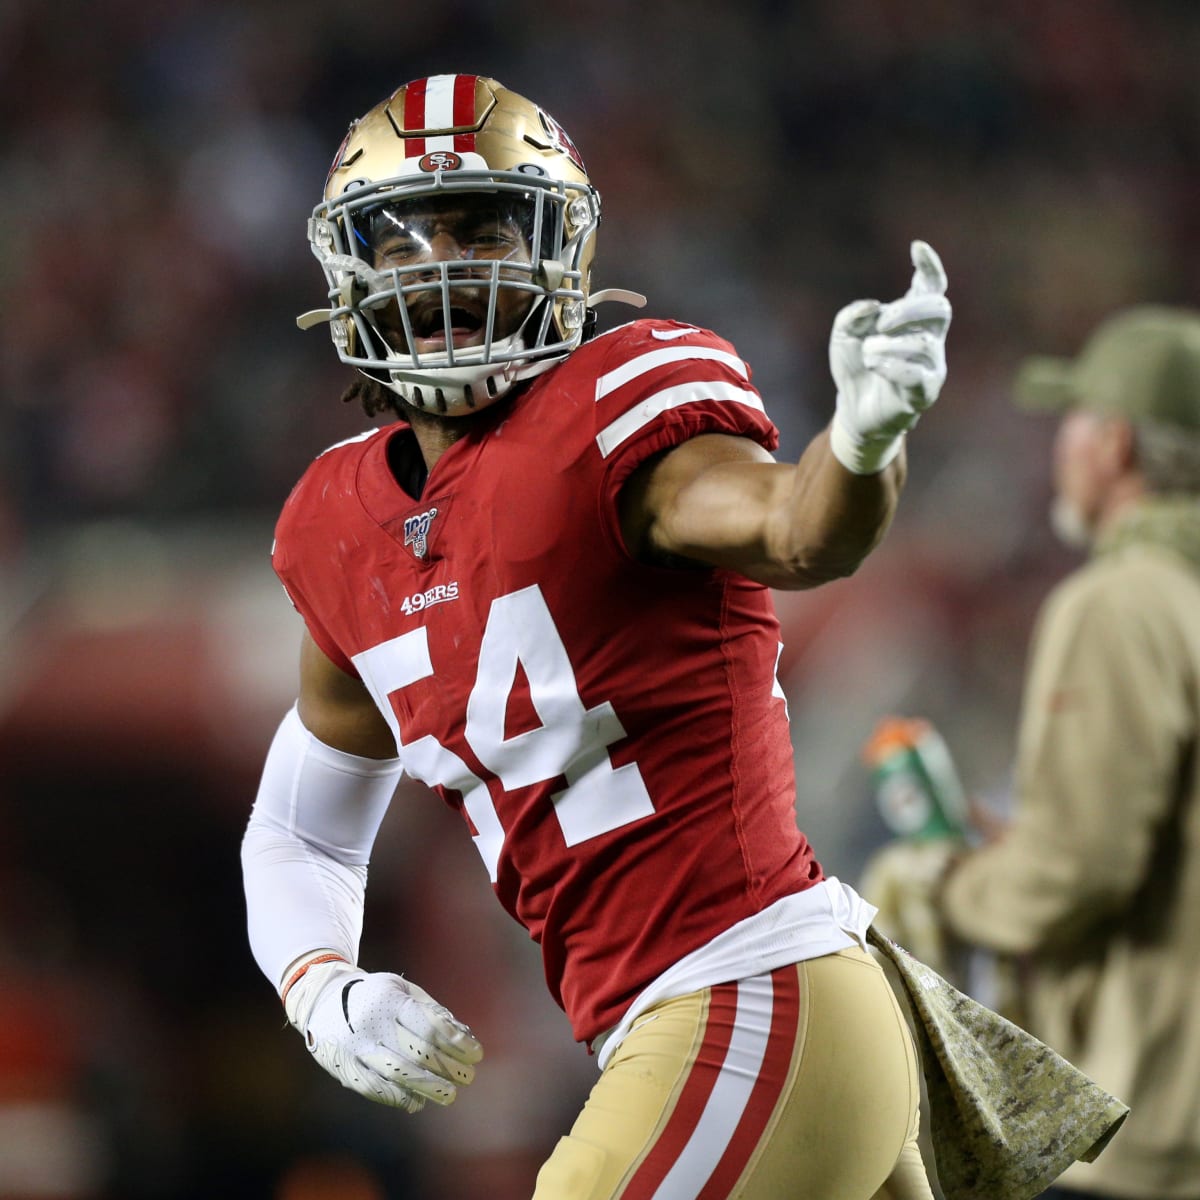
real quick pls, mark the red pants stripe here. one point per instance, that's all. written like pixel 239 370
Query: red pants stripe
pixel 793 1084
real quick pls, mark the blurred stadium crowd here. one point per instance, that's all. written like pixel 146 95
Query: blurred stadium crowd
pixel 761 164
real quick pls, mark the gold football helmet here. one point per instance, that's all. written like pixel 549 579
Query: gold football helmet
pixel 456 235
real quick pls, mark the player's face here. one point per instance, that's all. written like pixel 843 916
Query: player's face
pixel 459 229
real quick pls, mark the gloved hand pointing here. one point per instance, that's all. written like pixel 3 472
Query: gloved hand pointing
pixel 889 364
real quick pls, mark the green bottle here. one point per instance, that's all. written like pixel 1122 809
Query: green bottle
pixel 917 788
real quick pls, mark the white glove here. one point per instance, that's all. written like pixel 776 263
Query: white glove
pixel 889 363
pixel 381 1036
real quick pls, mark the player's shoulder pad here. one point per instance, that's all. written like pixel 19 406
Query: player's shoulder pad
pixel 648 333
pixel 330 474
pixel 673 378
pixel 643 356
pixel 356 440
pixel 341 456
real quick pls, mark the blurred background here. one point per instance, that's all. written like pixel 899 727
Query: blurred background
pixel 761 164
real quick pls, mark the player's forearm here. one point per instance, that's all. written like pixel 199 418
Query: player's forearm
pixel 297 900
pixel 889 364
pixel 832 518
pixel 307 845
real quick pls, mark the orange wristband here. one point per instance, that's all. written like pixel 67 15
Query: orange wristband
pixel 298 974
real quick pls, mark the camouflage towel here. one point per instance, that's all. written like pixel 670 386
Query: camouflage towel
pixel 1007 1115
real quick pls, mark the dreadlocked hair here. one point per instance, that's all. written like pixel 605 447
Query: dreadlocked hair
pixel 372 395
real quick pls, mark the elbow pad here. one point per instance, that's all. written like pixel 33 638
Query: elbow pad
pixel 307 845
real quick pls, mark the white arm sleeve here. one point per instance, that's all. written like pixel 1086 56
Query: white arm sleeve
pixel 307 845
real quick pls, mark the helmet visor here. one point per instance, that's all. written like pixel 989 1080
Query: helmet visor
pixel 464 226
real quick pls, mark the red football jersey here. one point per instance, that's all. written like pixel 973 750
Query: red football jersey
pixel 612 732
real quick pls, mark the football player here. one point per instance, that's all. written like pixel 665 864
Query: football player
pixel 543 590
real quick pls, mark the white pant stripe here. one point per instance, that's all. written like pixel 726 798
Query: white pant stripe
pixel 728 1100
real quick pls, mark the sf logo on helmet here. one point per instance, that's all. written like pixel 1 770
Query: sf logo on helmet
pixel 441 160
pixel 559 138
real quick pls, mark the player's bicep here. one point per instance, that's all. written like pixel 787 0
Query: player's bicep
pixel 337 709
pixel 708 500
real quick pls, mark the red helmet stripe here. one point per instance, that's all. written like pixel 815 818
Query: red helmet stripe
pixel 414 116
pixel 464 110
pixel 464 99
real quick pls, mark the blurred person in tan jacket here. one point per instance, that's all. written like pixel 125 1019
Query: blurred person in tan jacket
pixel 1096 882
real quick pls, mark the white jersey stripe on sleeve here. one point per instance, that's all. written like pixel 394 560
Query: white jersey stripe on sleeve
pixel 627 424
pixel 657 358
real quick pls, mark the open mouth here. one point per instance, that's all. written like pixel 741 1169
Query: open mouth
pixel 431 332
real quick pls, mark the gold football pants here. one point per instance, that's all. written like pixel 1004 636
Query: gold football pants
pixel 800 1084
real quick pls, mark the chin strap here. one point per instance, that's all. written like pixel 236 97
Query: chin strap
pixel 458 397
